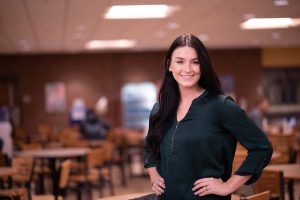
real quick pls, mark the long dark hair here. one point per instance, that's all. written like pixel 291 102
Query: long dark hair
pixel 169 95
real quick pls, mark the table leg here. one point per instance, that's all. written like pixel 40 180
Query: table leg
pixel 291 189
pixel 1 183
pixel 54 175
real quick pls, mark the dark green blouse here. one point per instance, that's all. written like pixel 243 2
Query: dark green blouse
pixel 203 144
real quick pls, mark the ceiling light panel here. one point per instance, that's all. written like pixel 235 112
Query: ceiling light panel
pixel 139 11
pixel 270 23
pixel 110 44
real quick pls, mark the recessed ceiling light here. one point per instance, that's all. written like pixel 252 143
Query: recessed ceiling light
pixel 173 25
pixel 103 44
pixel 139 11
pixel 281 2
pixel 276 36
pixel 269 23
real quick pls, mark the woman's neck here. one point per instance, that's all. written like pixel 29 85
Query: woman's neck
pixel 188 94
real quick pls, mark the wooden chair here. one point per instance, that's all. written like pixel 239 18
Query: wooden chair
pixel 63 183
pixel 283 144
pixel 14 194
pixel 69 135
pixel 106 169
pixel 41 167
pixel 260 196
pixel 239 157
pixel 117 136
pixel 273 181
pixel 4 160
pixel 24 171
pixel 91 177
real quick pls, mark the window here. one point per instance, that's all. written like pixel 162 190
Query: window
pixel 137 102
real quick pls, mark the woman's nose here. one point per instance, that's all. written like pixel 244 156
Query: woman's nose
pixel 187 67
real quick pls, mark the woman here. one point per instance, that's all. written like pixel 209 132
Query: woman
pixel 194 130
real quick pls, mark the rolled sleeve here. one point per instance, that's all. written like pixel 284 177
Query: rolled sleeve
pixel 148 162
pixel 236 122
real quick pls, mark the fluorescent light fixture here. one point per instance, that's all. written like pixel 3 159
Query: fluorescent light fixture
pixel 269 23
pixel 139 11
pixel 110 44
pixel 281 2
pixel 276 36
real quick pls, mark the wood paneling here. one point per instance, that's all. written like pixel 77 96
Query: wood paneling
pixel 281 57
pixel 93 75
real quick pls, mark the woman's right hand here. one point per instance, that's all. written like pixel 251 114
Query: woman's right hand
pixel 157 182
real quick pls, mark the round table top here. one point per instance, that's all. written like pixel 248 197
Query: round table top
pixel 290 171
pixel 54 152
pixel 6 171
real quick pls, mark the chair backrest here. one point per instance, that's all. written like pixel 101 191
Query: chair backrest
pixel 24 169
pixel 95 157
pixel 239 157
pixel 4 161
pixel 271 180
pixel 284 145
pixel 260 196
pixel 64 174
pixel 108 148
pixel 30 146
pixel 15 193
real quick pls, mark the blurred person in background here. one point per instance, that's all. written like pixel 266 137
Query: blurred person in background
pixel 93 127
pixel 194 129
pixel 6 131
pixel 257 114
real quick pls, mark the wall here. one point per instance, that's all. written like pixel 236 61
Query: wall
pixel 93 75
pixel 281 57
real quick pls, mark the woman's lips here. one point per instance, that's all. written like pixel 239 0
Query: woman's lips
pixel 187 76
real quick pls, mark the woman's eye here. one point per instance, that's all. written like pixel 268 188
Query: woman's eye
pixel 179 62
pixel 196 62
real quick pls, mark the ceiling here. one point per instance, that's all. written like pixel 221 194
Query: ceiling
pixel 64 26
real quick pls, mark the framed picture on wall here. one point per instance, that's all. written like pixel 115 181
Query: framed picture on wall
pixel 55 93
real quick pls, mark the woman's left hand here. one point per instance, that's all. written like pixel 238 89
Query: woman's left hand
pixel 205 186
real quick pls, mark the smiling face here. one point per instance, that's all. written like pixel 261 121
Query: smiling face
pixel 185 67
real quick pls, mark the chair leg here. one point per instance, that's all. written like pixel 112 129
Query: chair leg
pixel 78 191
pixel 111 185
pixel 88 187
pixel 28 187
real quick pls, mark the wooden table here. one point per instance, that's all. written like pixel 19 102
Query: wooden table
pixel 52 155
pixel 291 172
pixel 6 172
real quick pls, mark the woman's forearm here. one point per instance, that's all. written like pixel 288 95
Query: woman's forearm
pixel 236 181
